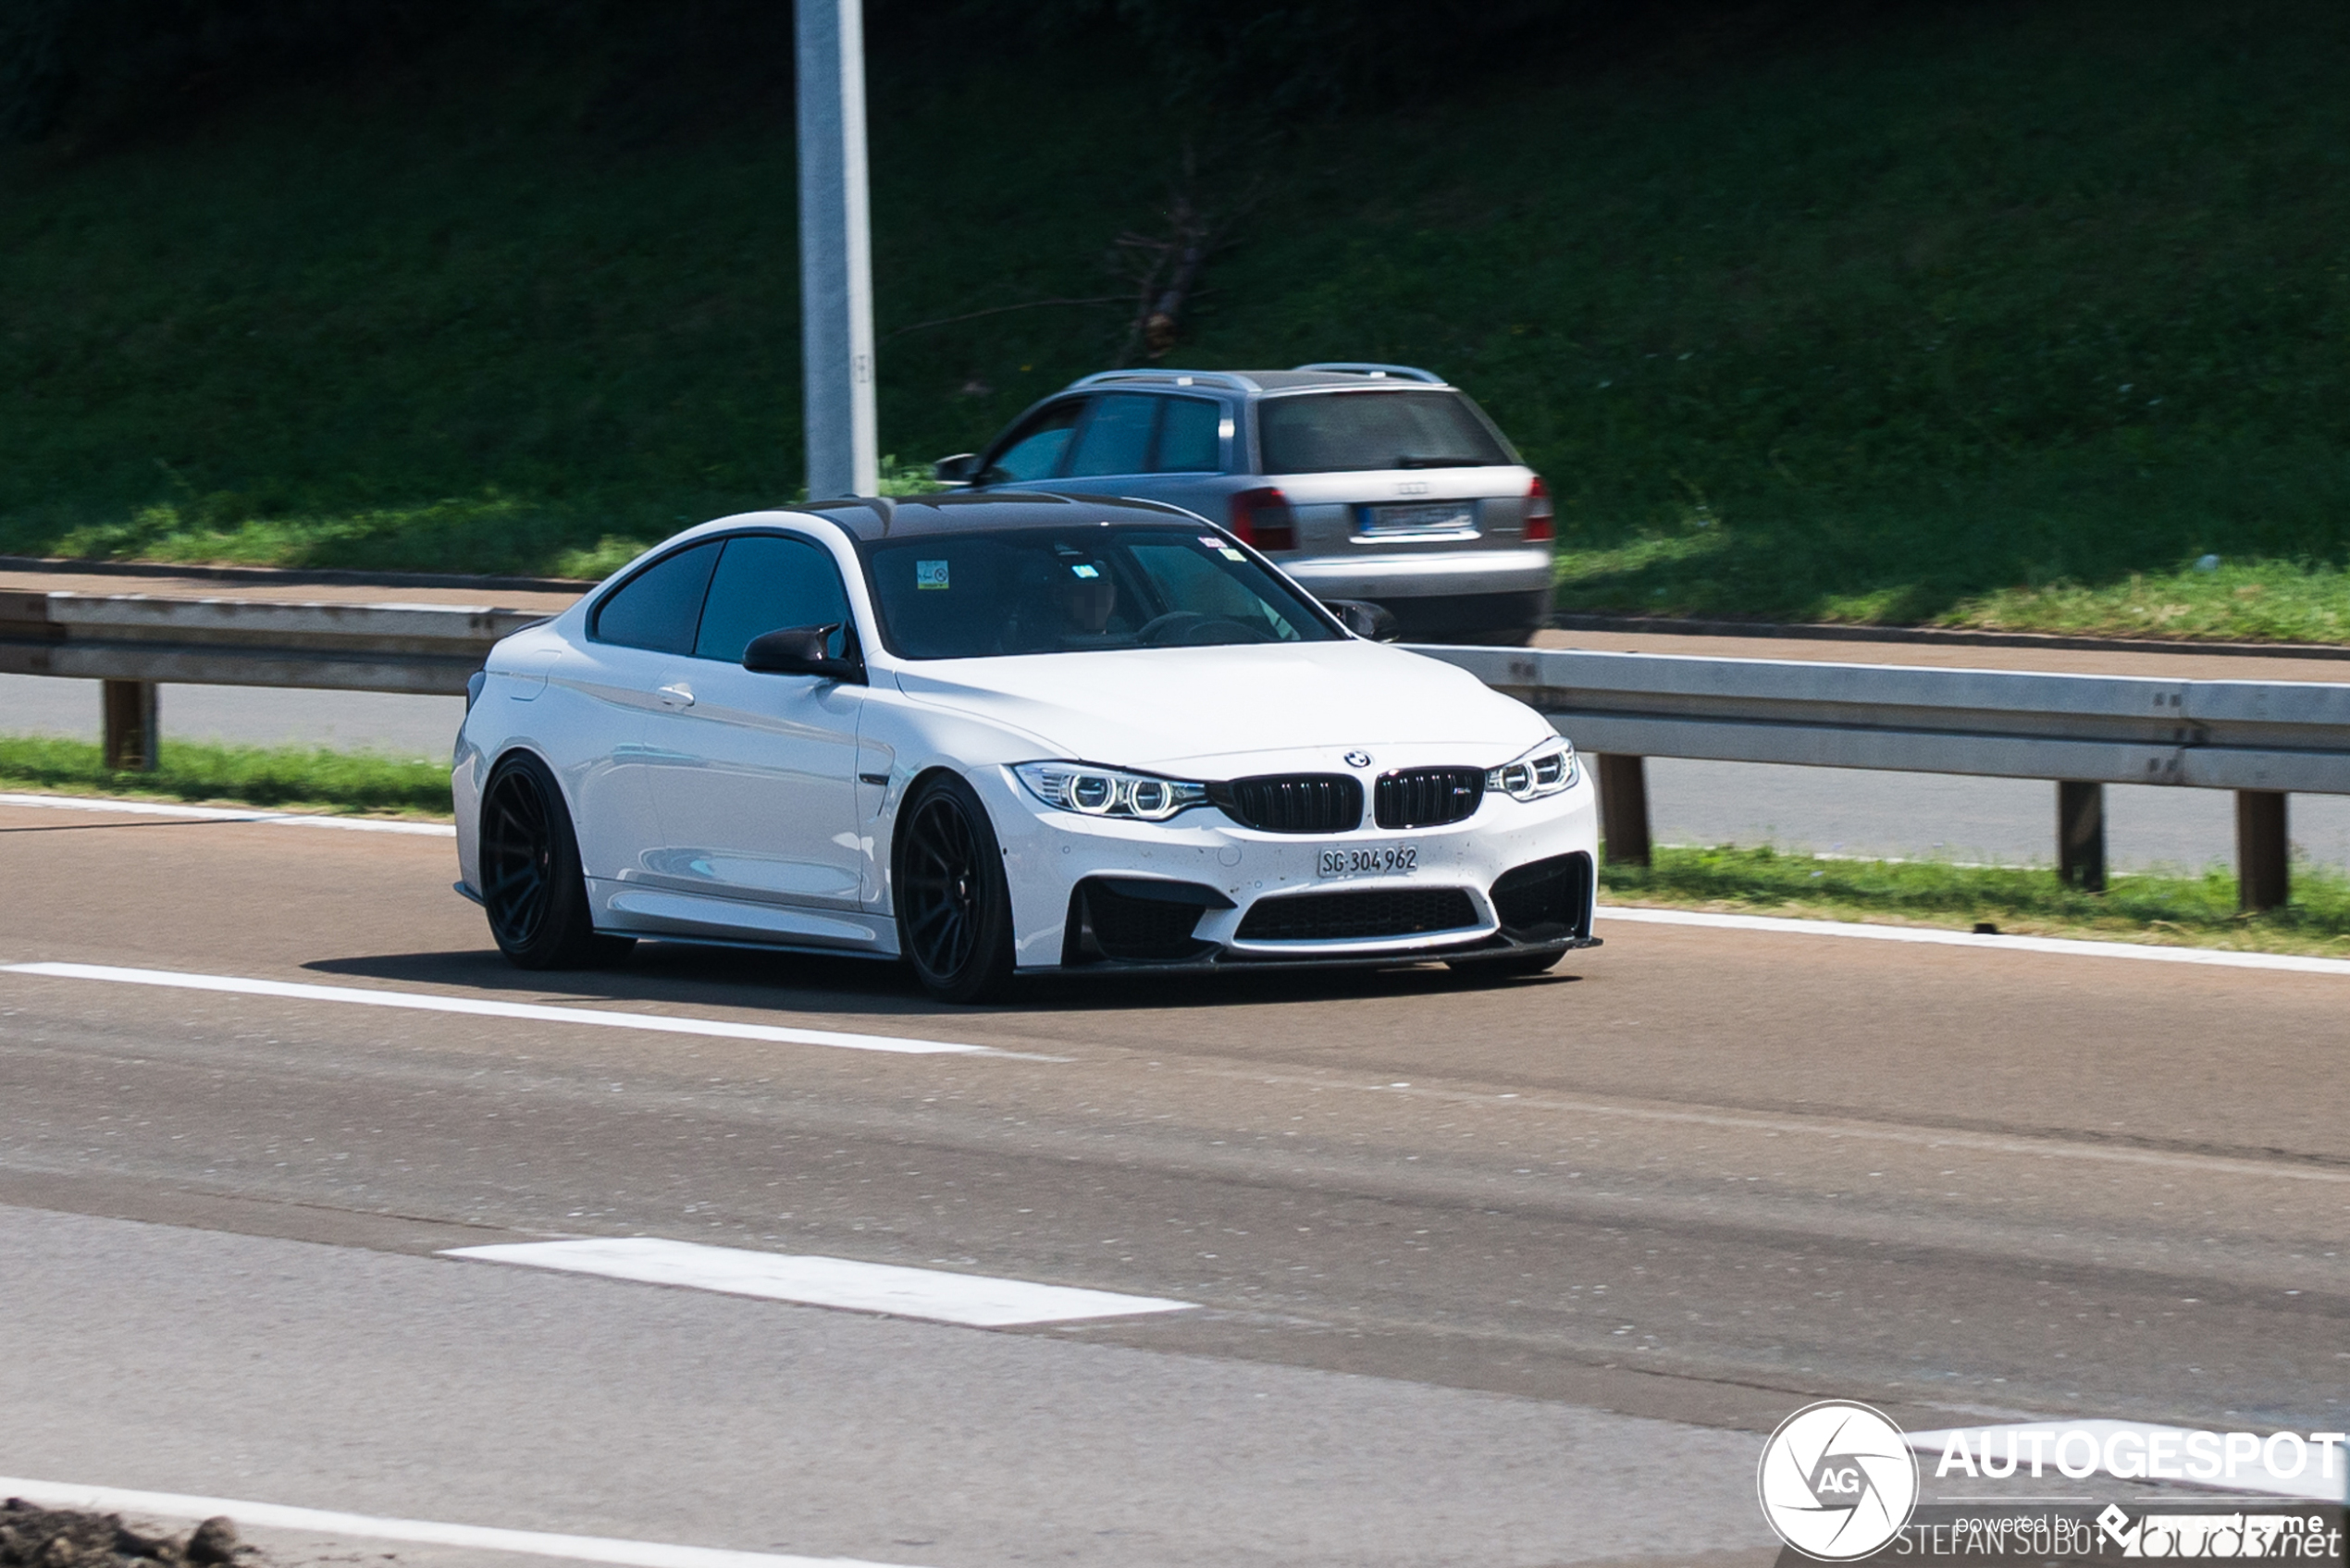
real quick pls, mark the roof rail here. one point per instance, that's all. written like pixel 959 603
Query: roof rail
pixel 1229 379
pixel 1376 371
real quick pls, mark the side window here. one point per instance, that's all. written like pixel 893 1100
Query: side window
pixel 765 583
pixel 1187 437
pixel 659 607
pixel 1034 450
pixel 1117 440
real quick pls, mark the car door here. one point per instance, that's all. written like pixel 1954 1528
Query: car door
pixel 1149 445
pixel 607 691
pixel 753 775
pixel 1190 452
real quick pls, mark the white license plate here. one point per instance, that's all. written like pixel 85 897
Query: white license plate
pixel 1424 517
pixel 1384 860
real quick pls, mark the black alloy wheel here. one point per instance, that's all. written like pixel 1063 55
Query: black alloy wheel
pixel 532 887
pixel 954 908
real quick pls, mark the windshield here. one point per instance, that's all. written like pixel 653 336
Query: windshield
pixel 1079 588
pixel 1347 432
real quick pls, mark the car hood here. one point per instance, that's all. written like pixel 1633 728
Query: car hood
pixel 1166 708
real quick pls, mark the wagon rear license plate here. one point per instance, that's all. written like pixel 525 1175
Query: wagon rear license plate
pixel 1381 860
pixel 1422 517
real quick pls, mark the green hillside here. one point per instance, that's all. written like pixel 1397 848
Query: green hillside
pixel 1995 314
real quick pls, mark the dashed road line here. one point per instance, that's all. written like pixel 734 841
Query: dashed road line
pixel 2063 946
pixel 976 1299
pixel 429 1002
pixel 368 1526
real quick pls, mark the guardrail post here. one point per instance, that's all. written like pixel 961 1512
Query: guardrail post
pixel 130 730
pixel 2081 834
pixel 1624 810
pixel 2263 876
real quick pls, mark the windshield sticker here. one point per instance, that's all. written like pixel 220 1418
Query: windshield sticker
pixel 1228 553
pixel 1211 541
pixel 1084 571
pixel 930 574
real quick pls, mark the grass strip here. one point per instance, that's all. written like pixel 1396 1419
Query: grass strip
pixel 310 778
pixel 2177 910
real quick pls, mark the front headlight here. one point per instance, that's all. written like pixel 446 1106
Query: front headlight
pixel 1546 769
pixel 1109 792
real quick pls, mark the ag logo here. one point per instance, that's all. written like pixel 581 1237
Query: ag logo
pixel 1837 1481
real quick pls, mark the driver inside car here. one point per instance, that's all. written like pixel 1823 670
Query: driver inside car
pixel 1064 602
pixel 1088 603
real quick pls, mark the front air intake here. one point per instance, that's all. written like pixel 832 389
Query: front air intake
pixel 1427 798
pixel 1291 802
pixel 1546 900
pixel 1129 919
pixel 1357 915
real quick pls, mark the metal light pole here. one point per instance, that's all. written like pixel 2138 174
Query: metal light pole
pixel 836 251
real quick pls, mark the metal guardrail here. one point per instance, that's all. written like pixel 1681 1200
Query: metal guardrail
pixel 2262 739
pixel 132 641
pixel 1991 723
pixel 426 649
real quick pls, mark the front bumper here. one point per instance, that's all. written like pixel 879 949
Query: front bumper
pixel 1220 874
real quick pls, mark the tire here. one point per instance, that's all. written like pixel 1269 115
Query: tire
pixel 1511 967
pixel 954 903
pixel 532 887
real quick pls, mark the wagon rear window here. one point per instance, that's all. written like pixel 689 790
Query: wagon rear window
pixel 1347 432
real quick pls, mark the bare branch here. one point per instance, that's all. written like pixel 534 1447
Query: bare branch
pixel 998 310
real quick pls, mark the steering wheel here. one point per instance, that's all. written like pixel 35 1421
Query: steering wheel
pixel 1190 629
pixel 1155 630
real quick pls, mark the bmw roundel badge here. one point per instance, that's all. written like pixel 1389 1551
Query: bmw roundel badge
pixel 1358 759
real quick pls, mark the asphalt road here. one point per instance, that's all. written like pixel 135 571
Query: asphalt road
pixel 1502 1274
pixel 2009 822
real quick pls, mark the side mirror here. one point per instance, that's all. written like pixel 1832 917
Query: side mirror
pixel 1373 622
pixel 960 469
pixel 799 651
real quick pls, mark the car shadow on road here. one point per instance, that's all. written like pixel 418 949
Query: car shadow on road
pixel 681 972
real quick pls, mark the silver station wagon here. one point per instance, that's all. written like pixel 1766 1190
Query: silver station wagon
pixel 1368 482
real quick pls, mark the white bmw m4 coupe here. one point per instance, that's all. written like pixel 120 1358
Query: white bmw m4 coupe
pixel 1003 735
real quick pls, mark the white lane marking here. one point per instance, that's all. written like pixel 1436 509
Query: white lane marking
pixel 320 1521
pixel 227 814
pixel 2209 956
pixel 426 1001
pixel 2320 1477
pixel 976 1300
